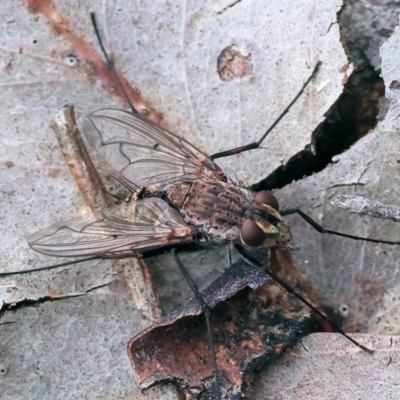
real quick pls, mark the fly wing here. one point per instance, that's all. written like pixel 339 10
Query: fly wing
pixel 151 156
pixel 125 229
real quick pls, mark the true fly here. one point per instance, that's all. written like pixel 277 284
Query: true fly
pixel 184 198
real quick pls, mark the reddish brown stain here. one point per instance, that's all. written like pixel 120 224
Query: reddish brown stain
pixel 8 63
pixel 231 64
pixel 371 289
pixel 53 172
pixel 87 52
pixel 344 70
pixel 9 164
pixel 394 85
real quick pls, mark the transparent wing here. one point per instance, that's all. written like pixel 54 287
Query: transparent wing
pixel 151 156
pixel 129 228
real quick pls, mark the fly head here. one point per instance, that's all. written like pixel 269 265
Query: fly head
pixel 262 224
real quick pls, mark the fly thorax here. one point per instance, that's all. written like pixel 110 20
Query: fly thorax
pixel 216 209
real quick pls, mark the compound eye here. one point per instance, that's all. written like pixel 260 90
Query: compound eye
pixel 251 233
pixel 265 197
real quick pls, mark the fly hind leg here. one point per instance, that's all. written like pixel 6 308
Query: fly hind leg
pixel 319 228
pixel 206 312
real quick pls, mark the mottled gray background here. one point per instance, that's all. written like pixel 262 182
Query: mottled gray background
pixel 75 346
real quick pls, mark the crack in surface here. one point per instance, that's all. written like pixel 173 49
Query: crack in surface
pixel 349 119
pixel 15 306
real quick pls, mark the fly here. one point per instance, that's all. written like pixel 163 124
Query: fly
pixel 188 199
pixel 185 198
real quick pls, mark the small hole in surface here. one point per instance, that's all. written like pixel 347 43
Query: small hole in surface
pixel 344 310
pixel 3 369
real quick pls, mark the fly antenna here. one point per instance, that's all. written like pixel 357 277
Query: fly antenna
pixel 110 63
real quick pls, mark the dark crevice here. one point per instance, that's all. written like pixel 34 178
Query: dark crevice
pixel 45 299
pixel 356 111
pixel 350 118
pixel 34 302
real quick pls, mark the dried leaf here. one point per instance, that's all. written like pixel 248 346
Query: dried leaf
pixel 250 327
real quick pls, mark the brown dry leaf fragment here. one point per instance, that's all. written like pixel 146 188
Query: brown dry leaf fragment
pixel 250 327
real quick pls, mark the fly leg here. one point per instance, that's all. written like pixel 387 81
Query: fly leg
pixel 319 228
pixel 49 267
pixel 121 85
pixel 110 64
pixel 257 144
pixel 249 260
pixel 206 312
